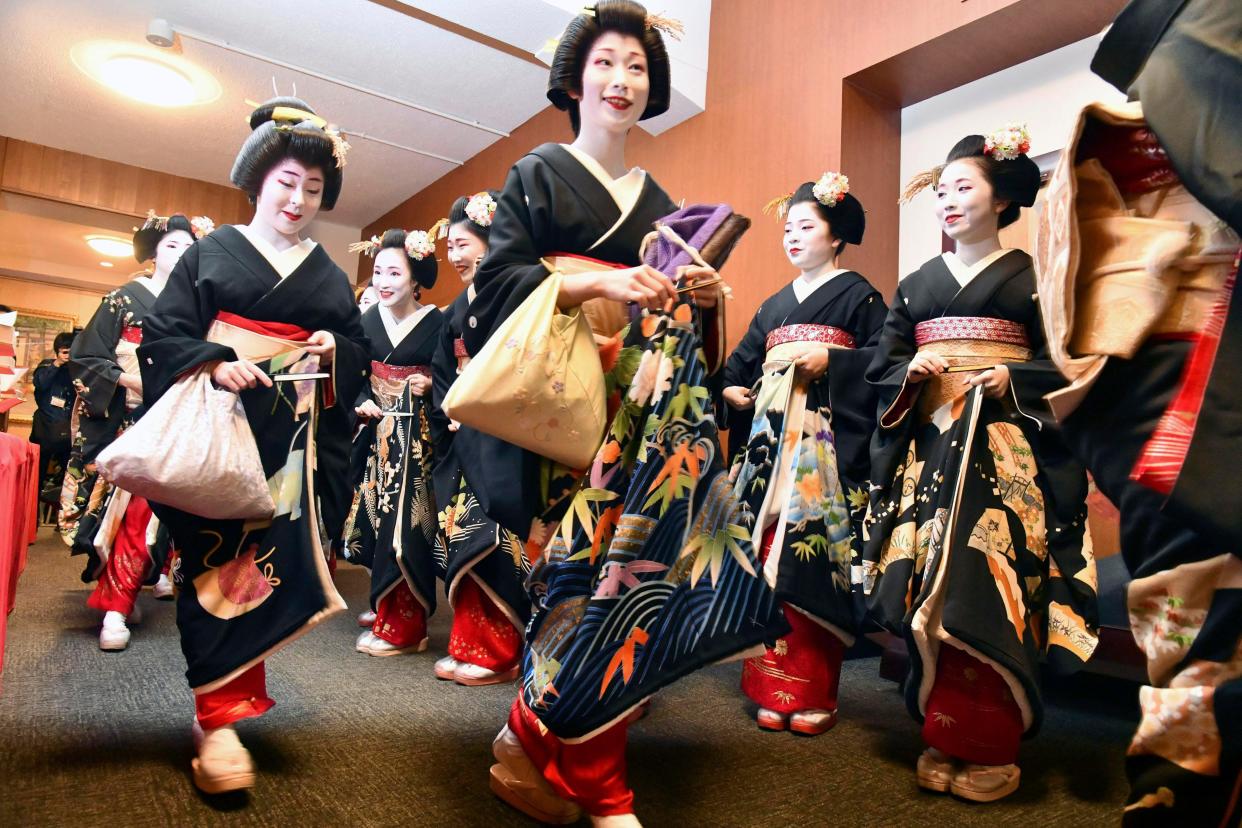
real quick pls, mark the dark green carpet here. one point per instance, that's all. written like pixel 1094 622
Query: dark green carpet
pixel 93 738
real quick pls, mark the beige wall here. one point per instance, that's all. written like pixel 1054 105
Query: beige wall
pixel 39 296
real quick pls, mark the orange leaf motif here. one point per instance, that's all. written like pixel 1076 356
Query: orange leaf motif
pixel 624 658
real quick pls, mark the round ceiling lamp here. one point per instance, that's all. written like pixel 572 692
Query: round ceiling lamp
pixel 151 76
pixel 110 246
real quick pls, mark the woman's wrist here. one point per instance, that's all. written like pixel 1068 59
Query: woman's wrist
pixel 577 288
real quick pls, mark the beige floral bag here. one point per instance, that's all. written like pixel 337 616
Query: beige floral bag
pixel 537 383
pixel 193 450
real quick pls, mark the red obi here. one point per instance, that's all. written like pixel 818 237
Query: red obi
pixel 132 334
pixel 826 334
pixel 398 372
pixel 983 328
pixel 459 348
pixel 1132 155
pixel 276 330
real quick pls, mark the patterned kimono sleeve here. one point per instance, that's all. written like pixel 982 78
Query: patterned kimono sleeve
pixel 92 359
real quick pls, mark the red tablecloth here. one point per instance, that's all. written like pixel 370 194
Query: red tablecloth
pixel 19 521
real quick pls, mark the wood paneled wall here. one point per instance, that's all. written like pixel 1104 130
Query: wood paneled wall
pixel 46 172
pixel 796 88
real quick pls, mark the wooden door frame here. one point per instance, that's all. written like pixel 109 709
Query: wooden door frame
pixel 872 100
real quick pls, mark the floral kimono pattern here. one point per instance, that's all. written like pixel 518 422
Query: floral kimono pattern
pixel 651 574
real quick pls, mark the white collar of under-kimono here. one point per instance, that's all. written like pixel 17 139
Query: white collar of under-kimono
pixel 398 331
pixel 624 190
pixel 283 262
pixel 804 287
pixel 964 273
pixel 148 282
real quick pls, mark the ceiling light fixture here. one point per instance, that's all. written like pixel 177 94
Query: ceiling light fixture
pixel 110 246
pixel 106 264
pixel 152 76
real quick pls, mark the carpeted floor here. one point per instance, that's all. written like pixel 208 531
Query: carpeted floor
pixel 93 738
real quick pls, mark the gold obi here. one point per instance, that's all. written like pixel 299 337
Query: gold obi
pixel 1117 263
pixel 970 344
pixel 250 345
pixel 388 381
pixel 1142 275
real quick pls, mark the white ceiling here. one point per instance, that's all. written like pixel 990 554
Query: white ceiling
pixel 47 100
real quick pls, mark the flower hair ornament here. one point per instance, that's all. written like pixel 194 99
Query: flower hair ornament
pixel 288 117
pixel 419 244
pixel 1008 142
pixel 202 226
pixel 481 209
pixel 831 188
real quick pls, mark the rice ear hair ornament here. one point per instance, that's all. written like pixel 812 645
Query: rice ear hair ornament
pixel 439 230
pixel 158 222
pixel 369 247
pixel 667 26
pixel 920 182
pixel 778 206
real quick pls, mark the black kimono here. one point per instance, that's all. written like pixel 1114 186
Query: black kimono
pixel 247 588
pixel 104 350
pixel 392 526
pixel 550 204
pixel 647 576
pixel 471 543
pixel 817 491
pixel 976 532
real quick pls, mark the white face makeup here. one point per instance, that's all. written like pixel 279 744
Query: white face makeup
pixel 465 250
pixel 369 297
pixel 808 239
pixel 290 197
pixel 964 204
pixel 391 277
pixel 615 83
pixel 168 251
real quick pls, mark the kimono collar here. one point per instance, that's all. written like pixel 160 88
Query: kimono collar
pixel 963 273
pixel 283 262
pixel 804 287
pixel 398 331
pixel 624 190
pixel 146 294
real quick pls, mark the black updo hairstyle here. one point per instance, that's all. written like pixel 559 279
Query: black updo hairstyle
pixel 457 215
pixel 624 17
pixel 267 146
pixel 845 218
pixel 147 238
pixel 423 271
pixel 1016 181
